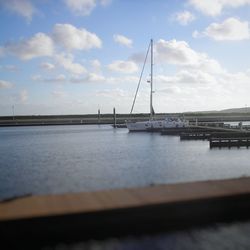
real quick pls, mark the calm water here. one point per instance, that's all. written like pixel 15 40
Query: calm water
pixel 58 159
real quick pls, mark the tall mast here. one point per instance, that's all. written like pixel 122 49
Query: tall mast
pixel 151 83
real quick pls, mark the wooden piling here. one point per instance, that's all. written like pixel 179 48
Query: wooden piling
pixel 99 116
pixel 114 117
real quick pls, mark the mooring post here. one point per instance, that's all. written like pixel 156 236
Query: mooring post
pixel 99 116
pixel 13 112
pixel 114 115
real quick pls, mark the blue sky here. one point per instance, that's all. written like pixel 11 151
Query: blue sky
pixel 75 56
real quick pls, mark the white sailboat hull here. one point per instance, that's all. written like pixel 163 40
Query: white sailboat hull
pixel 156 124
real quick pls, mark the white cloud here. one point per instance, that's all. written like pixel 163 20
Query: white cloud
pixel 38 45
pixel 179 53
pixel 123 79
pixel 138 57
pixel 2 52
pixel 184 17
pixel 89 78
pixel 84 7
pixel 196 34
pixel 105 2
pixel 123 40
pixel 199 80
pixel 126 67
pixel 112 93
pixel 96 65
pixel 187 77
pixel 59 94
pixel 66 61
pixel 57 79
pixel 10 68
pixel 215 7
pixel 81 7
pixel 176 52
pixel 23 96
pixel 70 37
pixel 230 29
pixel 192 88
pixel 47 66
pixel 5 84
pixel 36 77
pixel 41 45
pixel 92 77
pixel 24 8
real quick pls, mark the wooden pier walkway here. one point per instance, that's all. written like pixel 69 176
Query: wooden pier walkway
pixel 112 213
pixel 209 135
pixel 195 136
pixel 229 142
pixel 200 129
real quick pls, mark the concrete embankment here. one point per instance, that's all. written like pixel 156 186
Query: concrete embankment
pixel 109 118
pixel 112 213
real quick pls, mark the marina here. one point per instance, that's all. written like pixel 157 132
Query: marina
pixel 125 125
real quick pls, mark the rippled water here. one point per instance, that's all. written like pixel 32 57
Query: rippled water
pixel 56 159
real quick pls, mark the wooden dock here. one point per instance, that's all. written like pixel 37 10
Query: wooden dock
pixel 195 136
pixel 229 142
pixel 209 135
pixel 192 129
pixel 179 131
pixel 97 215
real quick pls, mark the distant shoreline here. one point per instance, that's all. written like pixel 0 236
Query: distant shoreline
pixel 90 119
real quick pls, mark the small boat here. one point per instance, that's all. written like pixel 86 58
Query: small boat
pixel 152 124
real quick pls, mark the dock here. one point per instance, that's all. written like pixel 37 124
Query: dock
pixel 217 136
pixel 193 129
pixel 46 219
pixel 229 142
pixel 209 135
pixel 195 136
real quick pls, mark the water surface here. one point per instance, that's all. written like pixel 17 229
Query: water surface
pixel 56 159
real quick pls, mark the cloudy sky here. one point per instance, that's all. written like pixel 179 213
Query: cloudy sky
pixel 75 56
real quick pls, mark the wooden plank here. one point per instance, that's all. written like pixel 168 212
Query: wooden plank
pixel 48 205
pixel 44 219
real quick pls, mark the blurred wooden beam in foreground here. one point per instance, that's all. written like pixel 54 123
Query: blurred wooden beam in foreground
pixel 112 213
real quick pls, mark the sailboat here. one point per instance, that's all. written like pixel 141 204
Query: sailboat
pixel 152 124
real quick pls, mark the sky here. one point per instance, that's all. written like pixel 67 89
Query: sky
pixel 78 56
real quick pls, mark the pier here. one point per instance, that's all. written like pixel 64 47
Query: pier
pixel 229 142
pixel 217 136
pixel 195 136
pixel 209 135
pixel 194 131
pixel 47 219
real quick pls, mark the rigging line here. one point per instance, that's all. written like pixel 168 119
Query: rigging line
pixel 140 79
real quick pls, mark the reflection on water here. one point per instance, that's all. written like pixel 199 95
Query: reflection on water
pixel 58 159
